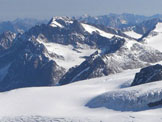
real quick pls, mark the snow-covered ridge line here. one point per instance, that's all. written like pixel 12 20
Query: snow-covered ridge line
pixel 154 38
pixel 90 29
pixel 158 27
pixel 137 98
pixel 133 34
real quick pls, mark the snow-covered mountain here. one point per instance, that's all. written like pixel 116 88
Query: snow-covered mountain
pixel 134 26
pixel 114 20
pixel 142 29
pixel 68 36
pixel 19 25
pixel 118 55
pixel 64 36
pixel 42 55
pixel 25 64
pixel 119 21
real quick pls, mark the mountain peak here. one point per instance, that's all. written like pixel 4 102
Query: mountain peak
pixel 59 21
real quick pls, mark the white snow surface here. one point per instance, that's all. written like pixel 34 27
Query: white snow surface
pixel 154 39
pixel 72 56
pixel 158 27
pixel 68 103
pixel 56 24
pixel 130 99
pixel 133 34
pixel 90 29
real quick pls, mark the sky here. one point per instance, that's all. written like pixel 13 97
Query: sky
pixel 45 9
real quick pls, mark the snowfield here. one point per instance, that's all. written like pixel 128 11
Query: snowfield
pixel 154 39
pixel 78 102
pixel 70 56
pixel 90 29
pixel 133 34
pixel 42 119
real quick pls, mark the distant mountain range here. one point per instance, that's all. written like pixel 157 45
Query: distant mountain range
pixel 118 21
pixel 19 25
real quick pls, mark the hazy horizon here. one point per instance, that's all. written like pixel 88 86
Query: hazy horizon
pixel 48 18
pixel 41 9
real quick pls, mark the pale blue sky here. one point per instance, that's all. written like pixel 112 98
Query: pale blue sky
pixel 11 9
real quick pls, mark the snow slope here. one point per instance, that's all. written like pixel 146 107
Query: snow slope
pixel 70 56
pixel 130 99
pixel 56 24
pixel 154 39
pixel 133 34
pixel 90 29
pixel 69 102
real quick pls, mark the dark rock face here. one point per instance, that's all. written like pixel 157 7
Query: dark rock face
pixel 146 26
pixel 63 36
pixel 148 74
pixel 6 40
pixel 28 66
